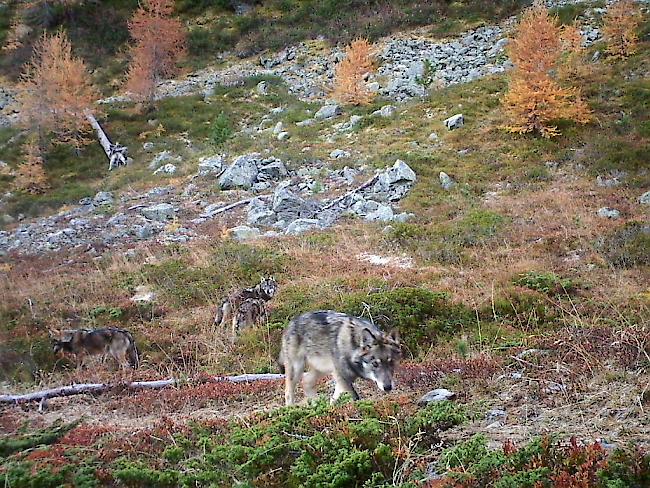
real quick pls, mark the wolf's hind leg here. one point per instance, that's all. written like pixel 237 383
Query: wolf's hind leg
pixel 309 381
pixel 294 368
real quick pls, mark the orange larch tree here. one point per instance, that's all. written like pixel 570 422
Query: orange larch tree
pixel 349 84
pixel 56 92
pixel 160 42
pixel 534 97
pixel 620 28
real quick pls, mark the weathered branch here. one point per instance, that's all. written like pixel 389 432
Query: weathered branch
pixel 234 205
pixel 336 201
pixel 117 154
pixel 96 388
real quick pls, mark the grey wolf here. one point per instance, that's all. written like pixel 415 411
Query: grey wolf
pixel 246 307
pixel 344 346
pixel 118 343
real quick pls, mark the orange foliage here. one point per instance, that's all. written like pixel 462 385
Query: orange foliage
pixel 349 85
pixel 620 28
pixel 534 98
pixel 573 65
pixel 160 42
pixel 56 91
pixel 30 176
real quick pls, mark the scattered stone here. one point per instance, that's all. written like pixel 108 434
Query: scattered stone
pixel 288 206
pixel 283 136
pixel 645 198
pixel 143 294
pixel 162 158
pixel 395 182
pixel 167 169
pixel 446 181
pixel 349 174
pixel 244 233
pixel 305 123
pixel 189 190
pixel 262 88
pixel 271 169
pixel 300 226
pixel 339 153
pixel 385 111
pixel 495 415
pixel 241 173
pixel 608 213
pixel 328 112
pixel 211 165
pixel 278 128
pixel 613 180
pixel 433 137
pixel 148 146
pixel 103 198
pixel 373 87
pixel 160 212
pixel 259 213
pixel 454 122
pixel 437 395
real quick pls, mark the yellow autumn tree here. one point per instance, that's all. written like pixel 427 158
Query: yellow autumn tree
pixel 535 98
pixel 620 28
pixel 573 64
pixel 30 175
pixel 349 83
pixel 56 91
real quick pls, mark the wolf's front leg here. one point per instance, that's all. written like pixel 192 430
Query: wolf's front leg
pixel 343 385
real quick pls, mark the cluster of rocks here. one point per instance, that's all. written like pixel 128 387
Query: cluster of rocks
pixel 412 65
pixel 249 171
pixel 8 107
pixel 288 212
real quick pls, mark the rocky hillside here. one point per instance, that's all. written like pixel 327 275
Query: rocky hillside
pixel 515 267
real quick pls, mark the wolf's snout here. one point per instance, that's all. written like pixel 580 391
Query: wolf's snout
pixel 388 388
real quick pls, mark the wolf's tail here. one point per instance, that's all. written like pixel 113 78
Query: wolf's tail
pixel 280 362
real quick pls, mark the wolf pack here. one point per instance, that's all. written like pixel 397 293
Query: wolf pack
pixel 314 344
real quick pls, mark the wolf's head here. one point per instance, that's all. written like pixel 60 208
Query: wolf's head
pixel 61 346
pixel 268 286
pixel 378 357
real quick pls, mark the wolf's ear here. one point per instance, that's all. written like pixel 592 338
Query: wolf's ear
pixel 367 337
pixel 393 335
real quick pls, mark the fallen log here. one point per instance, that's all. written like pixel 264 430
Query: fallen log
pixel 96 388
pixel 117 154
pixel 233 205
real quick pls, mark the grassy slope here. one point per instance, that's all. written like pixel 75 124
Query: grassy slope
pixel 492 279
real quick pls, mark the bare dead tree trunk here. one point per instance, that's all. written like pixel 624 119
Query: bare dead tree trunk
pixel 117 155
pixel 90 388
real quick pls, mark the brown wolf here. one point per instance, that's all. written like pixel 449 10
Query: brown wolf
pixel 334 343
pixel 118 343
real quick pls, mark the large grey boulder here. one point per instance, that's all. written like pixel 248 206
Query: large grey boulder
pixel 327 112
pixel 301 226
pixel 211 165
pixel 244 233
pixel 645 198
pixel 241 173
pixel 437 395
pixel 385 111
pixel 259 213
pixel 288 206
pixel 395 182
pixel 162 158
pixel 446 181
pixel 608 213
pixel 454 122
pixel 166 169
pixel 103 198
pixel 160 212
pixel 271 169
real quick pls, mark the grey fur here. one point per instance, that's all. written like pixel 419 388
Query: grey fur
pixel 328 342
pixel 247 307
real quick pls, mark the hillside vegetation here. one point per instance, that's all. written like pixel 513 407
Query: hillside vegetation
pixel 510 287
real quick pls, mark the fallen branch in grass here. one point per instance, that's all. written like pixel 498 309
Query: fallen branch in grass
pixel 352 192
pixel 217 211
pixel 95 388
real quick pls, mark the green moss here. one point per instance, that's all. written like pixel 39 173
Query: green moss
pixel 45 437
pixel 548 283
